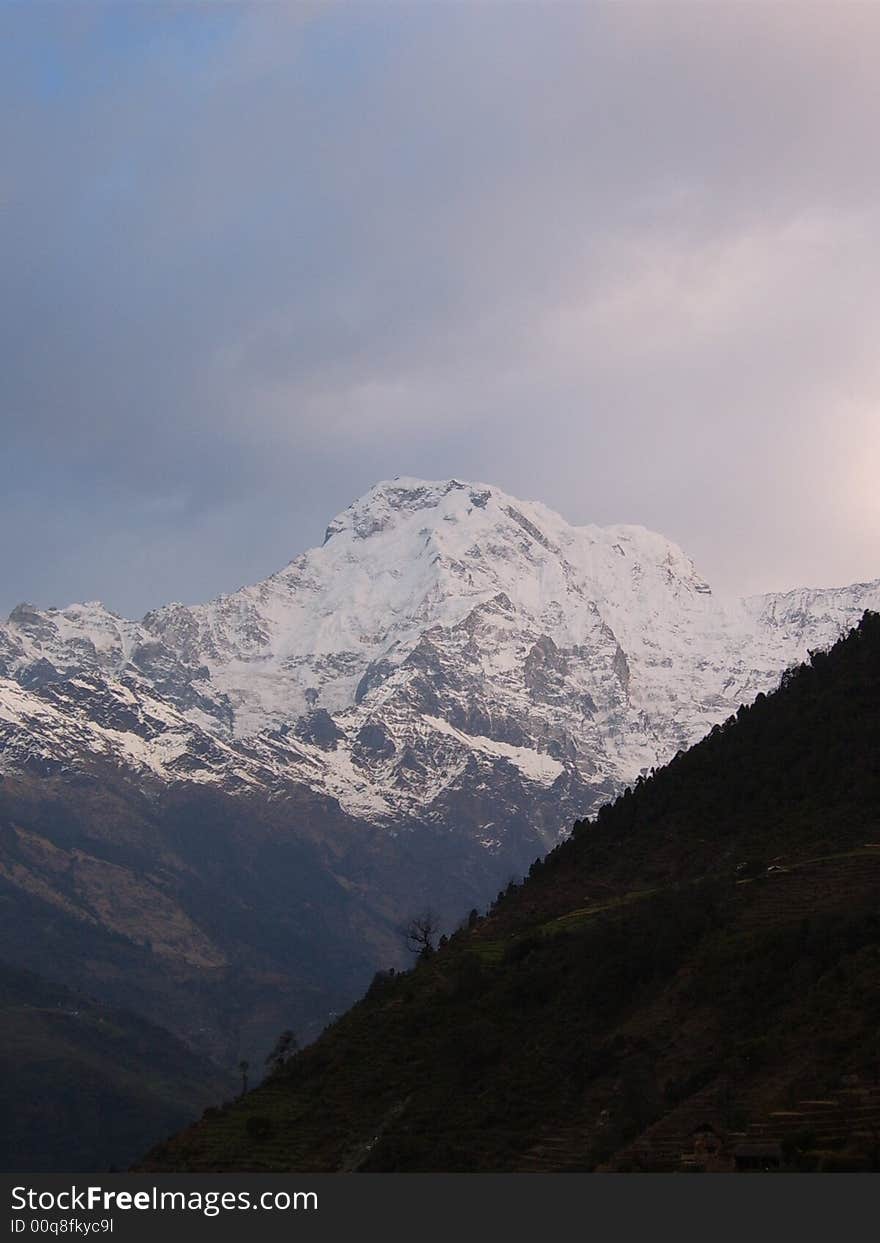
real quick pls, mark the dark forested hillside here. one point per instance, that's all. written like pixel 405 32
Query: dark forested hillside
pixel 690 982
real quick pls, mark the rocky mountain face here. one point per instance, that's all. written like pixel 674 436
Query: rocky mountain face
pixel 449 656
pixel 220 816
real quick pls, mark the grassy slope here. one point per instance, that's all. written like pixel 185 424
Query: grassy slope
pixel 650 974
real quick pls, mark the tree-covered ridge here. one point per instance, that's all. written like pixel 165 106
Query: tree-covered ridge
pixel 796 771
pixel 702 961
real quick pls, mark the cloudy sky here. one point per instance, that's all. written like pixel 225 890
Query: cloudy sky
pixel 256 257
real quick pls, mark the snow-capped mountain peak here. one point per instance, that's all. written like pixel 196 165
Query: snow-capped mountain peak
pixel 446 640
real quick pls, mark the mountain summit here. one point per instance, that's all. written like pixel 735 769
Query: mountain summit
pixel 449 653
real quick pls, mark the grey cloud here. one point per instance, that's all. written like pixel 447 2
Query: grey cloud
pixel 622 259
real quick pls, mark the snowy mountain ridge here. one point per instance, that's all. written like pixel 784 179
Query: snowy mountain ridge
pixel 448 653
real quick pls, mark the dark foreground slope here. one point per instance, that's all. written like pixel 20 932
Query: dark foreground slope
pixel 693 981
pixel 84 1086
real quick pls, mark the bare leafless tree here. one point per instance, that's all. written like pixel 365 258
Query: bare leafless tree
pixel 421 933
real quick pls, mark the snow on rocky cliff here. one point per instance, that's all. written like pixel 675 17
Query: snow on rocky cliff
pixel 446 651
